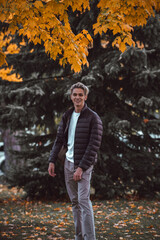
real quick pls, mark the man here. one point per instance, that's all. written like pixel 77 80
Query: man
pixel 81 131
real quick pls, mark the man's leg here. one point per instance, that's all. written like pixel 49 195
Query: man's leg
pixel 86 206
pixel 72 189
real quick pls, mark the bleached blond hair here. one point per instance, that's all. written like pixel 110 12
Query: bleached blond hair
pixel 79 85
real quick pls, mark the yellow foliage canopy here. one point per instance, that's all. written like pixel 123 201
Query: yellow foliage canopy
pixel 121 16
pixel 46 21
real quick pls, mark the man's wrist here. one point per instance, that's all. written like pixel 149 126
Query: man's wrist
pixel 80 169
pixel 51 163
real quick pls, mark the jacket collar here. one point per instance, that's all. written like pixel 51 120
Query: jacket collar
pixel 70 111
pixel 84 108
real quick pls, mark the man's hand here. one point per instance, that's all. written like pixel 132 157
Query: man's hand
pixel 78 174
pixel 51 169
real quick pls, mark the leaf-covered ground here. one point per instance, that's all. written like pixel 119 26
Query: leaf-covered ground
pixel 115 219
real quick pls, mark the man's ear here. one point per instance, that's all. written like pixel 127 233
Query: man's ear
pixel 85 97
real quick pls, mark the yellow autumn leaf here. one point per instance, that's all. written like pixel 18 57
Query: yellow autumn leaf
pixel 2 58
pixel 6 74
pixel 12 49
pixel 38 4
pixel 23 43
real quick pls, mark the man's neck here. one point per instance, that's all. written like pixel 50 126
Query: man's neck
pixel 78 109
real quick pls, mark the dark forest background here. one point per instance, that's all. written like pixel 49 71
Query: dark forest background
pixel 124 91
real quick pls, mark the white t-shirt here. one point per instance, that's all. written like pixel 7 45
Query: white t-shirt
pixel 71 136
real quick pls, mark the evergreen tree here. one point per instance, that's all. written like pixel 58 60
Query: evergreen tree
pixel 124 90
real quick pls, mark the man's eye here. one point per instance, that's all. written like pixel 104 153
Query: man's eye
pixel 75 94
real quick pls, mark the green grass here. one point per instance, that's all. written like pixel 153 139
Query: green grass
pixel 115 219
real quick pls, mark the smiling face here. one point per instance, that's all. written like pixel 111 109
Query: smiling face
pixel 78 98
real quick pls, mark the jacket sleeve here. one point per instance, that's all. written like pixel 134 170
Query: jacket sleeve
pixel 58 142
pixel 94 143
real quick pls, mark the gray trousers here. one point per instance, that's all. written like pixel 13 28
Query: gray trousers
pixel 79 193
